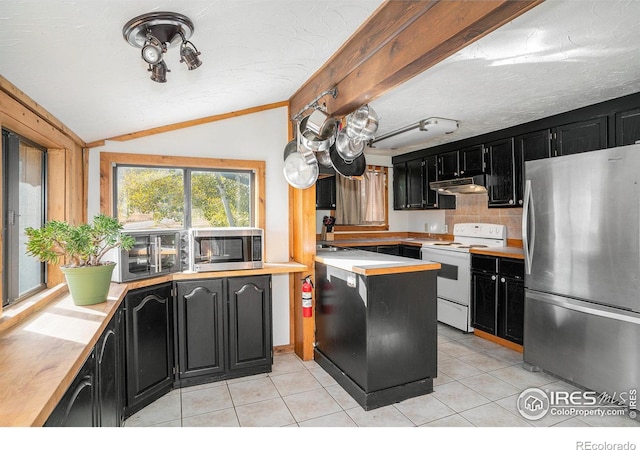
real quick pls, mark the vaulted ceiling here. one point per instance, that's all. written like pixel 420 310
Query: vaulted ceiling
pixel 71 58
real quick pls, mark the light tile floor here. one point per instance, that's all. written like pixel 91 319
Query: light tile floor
pixel 477 386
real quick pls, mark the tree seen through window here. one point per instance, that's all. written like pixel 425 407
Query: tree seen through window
pixel 156 197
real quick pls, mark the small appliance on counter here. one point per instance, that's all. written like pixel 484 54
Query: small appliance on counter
pixel 155 253
pixel 213 249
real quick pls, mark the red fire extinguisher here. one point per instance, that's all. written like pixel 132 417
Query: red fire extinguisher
pixel 307 288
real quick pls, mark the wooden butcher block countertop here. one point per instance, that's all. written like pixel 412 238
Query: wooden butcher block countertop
pixel 416 242
pixel 503 252
pixel 41 354
pixel 369 263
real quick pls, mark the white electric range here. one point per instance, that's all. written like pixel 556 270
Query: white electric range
pixel 454 278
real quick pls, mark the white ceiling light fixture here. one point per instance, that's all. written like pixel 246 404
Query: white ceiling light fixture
pixel 154 33
pixel 415 133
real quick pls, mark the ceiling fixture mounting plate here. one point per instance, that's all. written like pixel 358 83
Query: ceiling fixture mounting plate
pixel 166 27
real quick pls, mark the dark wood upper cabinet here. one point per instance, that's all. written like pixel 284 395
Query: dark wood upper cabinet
pixel 411 185
pixel 430 174
pixel 501 177
pixel 414 184
pixel 400 185
pixel 529 147
pixel 612 123
pixel 407 185
pixel 471 161
pixel 532 146
pixel 448 165
pixel 627 125
pixel 579 137
pixel 326 193
pixel 466 162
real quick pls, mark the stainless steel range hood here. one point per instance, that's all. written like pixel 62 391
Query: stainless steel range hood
pixel 467 185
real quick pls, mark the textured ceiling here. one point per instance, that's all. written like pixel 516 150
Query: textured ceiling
pixel 71 58
pixel 559 56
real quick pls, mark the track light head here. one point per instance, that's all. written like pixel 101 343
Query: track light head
pixel 159 72
pixel 152 50
pixel 189 55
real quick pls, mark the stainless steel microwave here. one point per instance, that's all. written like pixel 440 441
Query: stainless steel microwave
pixel 155 253
pixel 212 249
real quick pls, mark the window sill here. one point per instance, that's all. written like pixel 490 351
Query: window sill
pixel 15 314
pixel 384 227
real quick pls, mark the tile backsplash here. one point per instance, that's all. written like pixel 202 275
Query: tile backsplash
pixel 473 208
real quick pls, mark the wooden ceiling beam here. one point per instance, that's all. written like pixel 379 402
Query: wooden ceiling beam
pixel 399 41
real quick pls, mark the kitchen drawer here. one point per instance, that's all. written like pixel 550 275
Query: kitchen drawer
pixel 487 264
pixel 513 268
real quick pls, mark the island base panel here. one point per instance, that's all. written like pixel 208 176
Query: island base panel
pixel 376 399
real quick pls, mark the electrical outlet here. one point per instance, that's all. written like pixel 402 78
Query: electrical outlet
pixel 446 229
pixel 426 227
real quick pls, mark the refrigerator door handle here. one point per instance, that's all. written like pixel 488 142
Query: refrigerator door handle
pixel 528 239
pixel 585 307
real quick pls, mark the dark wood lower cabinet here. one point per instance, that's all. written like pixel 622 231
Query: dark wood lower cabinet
pixel 250 337
pixel 95 395
pixel 213 329
pixel 410 251
pixel 149 345
pixel 200 328
pixel 388 249
pixel 109 370
pixel 77 406
pixel 497 296
pixel 223 328
pixel 511 298
pixel 483 304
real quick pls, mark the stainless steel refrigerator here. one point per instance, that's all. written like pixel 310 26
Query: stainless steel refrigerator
pixel 581 236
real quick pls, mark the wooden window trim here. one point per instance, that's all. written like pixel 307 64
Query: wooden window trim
pixel 108 160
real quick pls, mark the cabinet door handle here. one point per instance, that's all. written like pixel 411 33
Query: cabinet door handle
pixel 462 172
pixel 455 174
pixel 502 280
pixel 493 278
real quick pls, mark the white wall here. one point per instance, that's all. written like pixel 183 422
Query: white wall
pixel 259 136
pixel 399 220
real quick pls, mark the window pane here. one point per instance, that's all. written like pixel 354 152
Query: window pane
pixel 220 199
pixel 150 197
pixel 30 214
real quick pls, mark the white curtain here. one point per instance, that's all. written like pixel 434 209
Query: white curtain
pixel 361 201
pixel 348 200
pixel 372 193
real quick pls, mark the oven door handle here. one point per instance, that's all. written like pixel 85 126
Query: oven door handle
pixel 155 255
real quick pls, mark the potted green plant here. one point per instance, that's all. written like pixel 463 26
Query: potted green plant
pixel 82 248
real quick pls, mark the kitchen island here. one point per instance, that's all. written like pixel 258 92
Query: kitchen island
pixel 376 324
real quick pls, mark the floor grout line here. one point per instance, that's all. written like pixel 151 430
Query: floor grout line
pixel 287 364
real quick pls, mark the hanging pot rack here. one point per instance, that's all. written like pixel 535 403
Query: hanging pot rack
pixel 314 103
pixel 364 120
